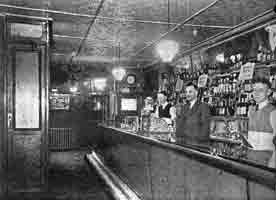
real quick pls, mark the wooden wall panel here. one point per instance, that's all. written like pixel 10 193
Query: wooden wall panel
pixel 257 191
pixel 24 162
pixel 177 189
pixel 159 167
pixel 131 163
pixel 229 186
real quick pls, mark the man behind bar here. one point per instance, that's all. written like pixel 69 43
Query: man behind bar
pixel 192 123
pixel 262 125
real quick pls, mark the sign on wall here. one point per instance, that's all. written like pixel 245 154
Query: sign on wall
pixel 26 30
pixel 202 80
pixel 59 101
pixel 246 71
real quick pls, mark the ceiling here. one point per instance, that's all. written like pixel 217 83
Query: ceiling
pixel 128 30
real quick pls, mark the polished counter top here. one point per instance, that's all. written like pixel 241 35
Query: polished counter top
pixel 253 172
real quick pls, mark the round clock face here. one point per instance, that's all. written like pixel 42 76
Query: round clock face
pixel 131 79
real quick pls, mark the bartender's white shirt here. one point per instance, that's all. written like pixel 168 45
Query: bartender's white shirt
pixel 192 103
pixel 263 104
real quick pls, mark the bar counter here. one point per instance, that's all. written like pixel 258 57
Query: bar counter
pixel 161 170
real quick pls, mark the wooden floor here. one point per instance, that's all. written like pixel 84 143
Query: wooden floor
pixel 71 179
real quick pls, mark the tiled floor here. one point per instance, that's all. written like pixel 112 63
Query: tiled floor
pixel 71 179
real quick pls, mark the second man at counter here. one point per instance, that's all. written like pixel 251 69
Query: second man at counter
pixel 192 122
pixel 164 109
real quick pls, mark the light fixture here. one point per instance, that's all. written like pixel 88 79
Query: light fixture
pixel 118 73
pixel 73 89
pixel 73 86
pixel 220 58
pixel 167 49
pixel 186 66
pixel 272 35
pixel 100 83
pixel 54 90
pixel 195 32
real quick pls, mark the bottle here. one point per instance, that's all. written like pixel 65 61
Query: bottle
pixel 251 105
pixel 273 81
pixel 223 108
pixel 260 54
pixel 238 108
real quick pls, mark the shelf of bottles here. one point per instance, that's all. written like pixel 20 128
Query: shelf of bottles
pixel 231 100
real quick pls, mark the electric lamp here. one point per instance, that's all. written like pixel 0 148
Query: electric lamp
pixel 167 49
pixel 100 83
pixel 118 73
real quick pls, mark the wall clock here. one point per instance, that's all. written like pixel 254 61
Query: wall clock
pixel 131 79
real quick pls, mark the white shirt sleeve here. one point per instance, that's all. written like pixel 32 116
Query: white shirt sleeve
pixel 156 113
pixel 173 112
pixel 272 161
pixel 273 121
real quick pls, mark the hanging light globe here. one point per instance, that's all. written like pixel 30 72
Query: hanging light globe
pixel 118 73
pixel 167 49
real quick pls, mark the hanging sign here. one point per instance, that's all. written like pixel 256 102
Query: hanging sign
pixel 202 80
pixel 246 71
pixel 26 30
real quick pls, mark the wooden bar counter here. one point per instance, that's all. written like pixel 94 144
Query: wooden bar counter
pixel 162 170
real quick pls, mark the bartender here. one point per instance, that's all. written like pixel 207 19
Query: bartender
pixel 164 109
pixel 262 125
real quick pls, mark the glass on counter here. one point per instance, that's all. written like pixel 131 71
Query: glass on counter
pixel 130 123
pixel 157 128
pixel 227 136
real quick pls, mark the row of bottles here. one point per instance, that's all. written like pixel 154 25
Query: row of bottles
pixel 236 61
pixel 247 86
pixel 264 55
pixel 189 76
pixel 230 105
pixel 223 107
pixel 242 107
pixel 225 85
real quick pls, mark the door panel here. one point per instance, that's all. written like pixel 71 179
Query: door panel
pixel 24 162
pixel 26 89
pixel 26 132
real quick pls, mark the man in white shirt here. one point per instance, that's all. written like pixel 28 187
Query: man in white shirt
pixel 262 125
pixel 165 109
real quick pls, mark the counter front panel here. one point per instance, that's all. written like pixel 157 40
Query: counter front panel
pixel 160 170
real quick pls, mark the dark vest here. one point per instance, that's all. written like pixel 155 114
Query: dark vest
pixel 164 112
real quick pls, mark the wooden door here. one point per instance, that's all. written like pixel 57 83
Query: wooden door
pixel 26 117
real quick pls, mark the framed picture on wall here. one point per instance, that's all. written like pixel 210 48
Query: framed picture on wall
pixel 59 101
